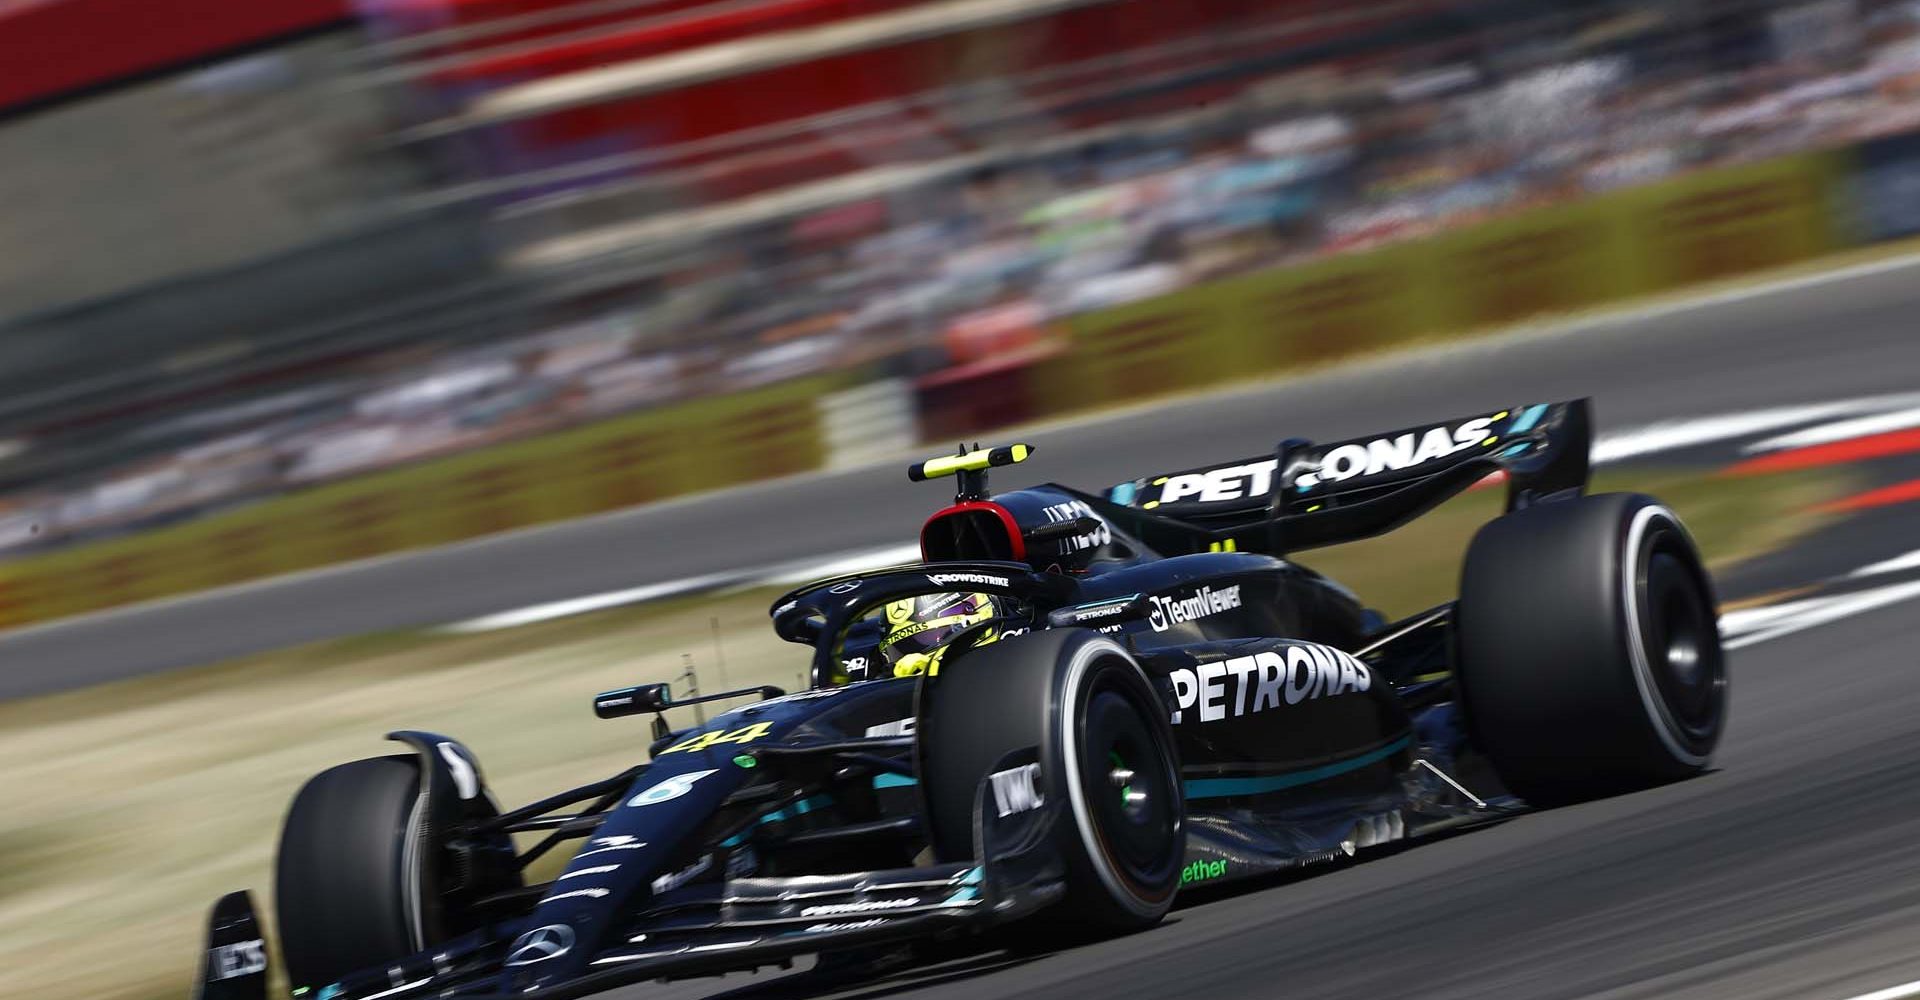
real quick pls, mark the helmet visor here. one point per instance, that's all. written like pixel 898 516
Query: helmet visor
pixel 926 623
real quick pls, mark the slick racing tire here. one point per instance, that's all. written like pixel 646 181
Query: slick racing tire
pixel 1075 704
pixel 1588 651
pixel 345 888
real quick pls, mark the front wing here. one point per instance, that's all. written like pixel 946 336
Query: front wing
pixel 741 923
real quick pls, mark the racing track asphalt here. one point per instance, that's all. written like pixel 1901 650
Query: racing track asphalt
pixel 1808 342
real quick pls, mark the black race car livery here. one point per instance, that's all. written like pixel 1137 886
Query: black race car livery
pixel 1163 699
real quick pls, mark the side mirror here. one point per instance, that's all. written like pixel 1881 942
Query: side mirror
pixel 632 701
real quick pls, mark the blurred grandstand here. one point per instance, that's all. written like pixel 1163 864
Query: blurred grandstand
pixel 252 250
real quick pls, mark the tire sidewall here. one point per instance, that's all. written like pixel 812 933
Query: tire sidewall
pixel 1652 529
pixel 1025 698
pixel 1087 664
pixel 1554 657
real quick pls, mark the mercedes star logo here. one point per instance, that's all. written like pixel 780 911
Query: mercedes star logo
pixel 540 944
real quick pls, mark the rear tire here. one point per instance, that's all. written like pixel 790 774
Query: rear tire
pixel 345 891
pixel 1076 703
pixel 1588 654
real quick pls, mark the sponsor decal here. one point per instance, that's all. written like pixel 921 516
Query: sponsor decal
pixel 954 579
pixel 1095 612
pixel 864 906
pixel 1016 790
pixel 1170 611
pixel 853 925
pixel 1074 510
pixel 668 790
pixel 1229 482
pixel 1392 454
pixel 901 727
pixel 714 737
pixel 595 870
pixel 908 631
pixel 595 893
pixel 855 667
pixel 1245 685
pixel 540 944
pixel 241 958
pixel 1203 871
pixel 674 880
pixel 844 588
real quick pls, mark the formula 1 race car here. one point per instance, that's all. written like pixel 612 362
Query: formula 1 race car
pixel 1141 694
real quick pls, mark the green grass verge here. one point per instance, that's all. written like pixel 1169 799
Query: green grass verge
pixel 131 806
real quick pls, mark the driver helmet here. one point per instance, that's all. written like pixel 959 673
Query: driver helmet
pixel 919 629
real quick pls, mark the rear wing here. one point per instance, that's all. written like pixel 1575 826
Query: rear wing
pixel 1307 495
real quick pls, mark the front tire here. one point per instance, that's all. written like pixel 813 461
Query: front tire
pixel 346 887
pixel 1588 654
pixel 1076 703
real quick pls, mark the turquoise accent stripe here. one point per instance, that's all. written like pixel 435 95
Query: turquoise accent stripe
pixel 1123 494
pixel 1516 449
pixel 1525 421
pixel 800 808
pixel 1198 788
pixel 1219 788
pixel 1105 602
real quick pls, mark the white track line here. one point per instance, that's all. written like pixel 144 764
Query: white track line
pixel 826 566
pixel 798 571
pixel 1759 625
pixel 1895 565
pixel 591 602
pixel 1900 992
pixel 1672 435
pixel 1898 420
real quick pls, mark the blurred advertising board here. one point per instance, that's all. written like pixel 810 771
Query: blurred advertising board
pixel 1548 260
pixel 1720 223
pixel 1701 227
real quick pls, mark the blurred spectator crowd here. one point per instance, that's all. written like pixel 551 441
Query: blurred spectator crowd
pixel 953 269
